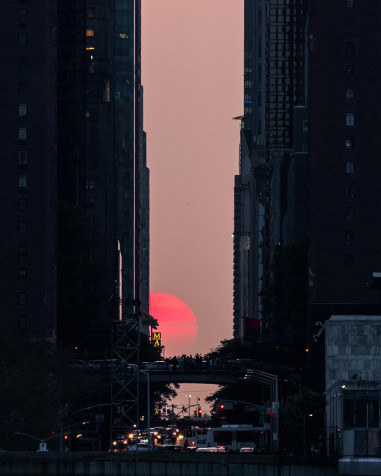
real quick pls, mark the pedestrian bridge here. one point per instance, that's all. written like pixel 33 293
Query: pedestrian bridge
pixel 218 377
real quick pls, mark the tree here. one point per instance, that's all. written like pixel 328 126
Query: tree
pixel 232 349
pixel 302 421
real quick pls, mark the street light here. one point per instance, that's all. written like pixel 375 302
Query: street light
pixel 272 381
pixel 148 410
pixel 189 404
pixel 304 432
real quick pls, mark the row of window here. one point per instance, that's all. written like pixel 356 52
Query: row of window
pixel 350 52
pixel 22 203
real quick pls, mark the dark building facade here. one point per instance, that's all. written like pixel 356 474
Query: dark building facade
pixel 28 169
pixel 101 153
pixel 344 128
pixel 72 131
pixel 274 84
pixel 249 187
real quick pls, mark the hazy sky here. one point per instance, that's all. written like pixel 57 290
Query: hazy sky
pixel 192 73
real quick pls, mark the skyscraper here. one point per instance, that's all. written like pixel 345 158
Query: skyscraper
pixel 28 169
pixel 344 128
pixel 72 131
pixel 274 85
pixel 249 190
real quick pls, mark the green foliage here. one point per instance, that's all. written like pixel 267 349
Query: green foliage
pixel 231 349
pixel 302 420
pixel 83 277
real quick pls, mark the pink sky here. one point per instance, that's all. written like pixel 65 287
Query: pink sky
pixel 192 67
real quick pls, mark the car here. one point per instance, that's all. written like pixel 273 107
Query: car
pixel 96 364
pixel 158 365
pixel 247 449
pixel 222 449
pixel 210 449
pixel 77 364
pixel 129 367
pixel 168 448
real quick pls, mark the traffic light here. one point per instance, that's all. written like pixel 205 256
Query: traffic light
pixel 199 413
pixel 195 413
pixel 221 406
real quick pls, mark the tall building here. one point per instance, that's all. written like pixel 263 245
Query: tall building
pixel 344 128
pixel 102 145
pixel 274 84
pixel 249 188
pixel 72 131
pixel 28 169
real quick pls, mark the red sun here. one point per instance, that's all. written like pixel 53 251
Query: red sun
pixel 177 323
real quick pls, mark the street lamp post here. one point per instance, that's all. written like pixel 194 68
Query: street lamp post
pixel 304 432
pixel 189 405
pixel 148 410
pixel 272 381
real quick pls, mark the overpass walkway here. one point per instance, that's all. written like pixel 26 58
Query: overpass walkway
pixel 218 377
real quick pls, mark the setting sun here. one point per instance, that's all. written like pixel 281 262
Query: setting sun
pixel 177 323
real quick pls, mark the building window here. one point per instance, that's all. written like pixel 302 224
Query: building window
pixel 350 72
pixel 23 16
pixel 22 274
pixel 22 110
pixel 23 251
pixel 349 237
pixel 350 143
pixel 22 133
pixel 259 127
pixel 90 201
pixel 349 261
pixel 350 96
pixel 349 190
pixel 23 157
pixel 349 213
pixel 259 46
pixel 349 167
pixel 107 91
pixel 349 119
pixel 89 32
pixel 22 204
pixel 90 184
pixel 22 299
pixel 22 181
pixel 22 228
pixel 22 86
pixel 22 63
pixel 22 320
pixel 22 38
pixel 350 3
pixel 90 12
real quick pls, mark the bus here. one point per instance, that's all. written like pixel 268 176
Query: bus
pixel 233 437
